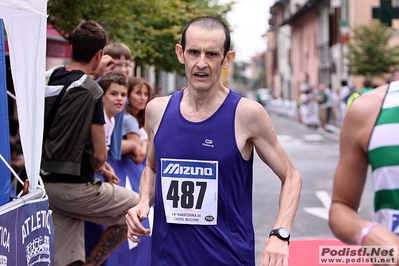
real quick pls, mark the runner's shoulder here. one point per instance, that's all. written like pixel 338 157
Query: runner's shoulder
pixel 368 104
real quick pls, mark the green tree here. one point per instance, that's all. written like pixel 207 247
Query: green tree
pixel 370 54
pixel 151 28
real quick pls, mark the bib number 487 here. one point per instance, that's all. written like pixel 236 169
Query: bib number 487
pixel 187 190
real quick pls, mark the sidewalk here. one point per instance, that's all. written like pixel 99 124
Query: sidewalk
pixel 289 109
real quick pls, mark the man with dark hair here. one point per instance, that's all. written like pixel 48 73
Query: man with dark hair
pixel 201 143
pixel 74 148
pixel 208 24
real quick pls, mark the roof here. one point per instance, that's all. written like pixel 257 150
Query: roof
pixel 278 3
pixel 308 6
pixel 53 34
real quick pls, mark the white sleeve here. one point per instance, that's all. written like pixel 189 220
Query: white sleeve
pixel 143 134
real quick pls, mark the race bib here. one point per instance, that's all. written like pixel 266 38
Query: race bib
pixel 190 191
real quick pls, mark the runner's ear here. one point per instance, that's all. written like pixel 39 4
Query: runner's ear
pixel 179 53
pixel 228 59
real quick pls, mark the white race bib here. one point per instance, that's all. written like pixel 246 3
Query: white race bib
pixel 190 191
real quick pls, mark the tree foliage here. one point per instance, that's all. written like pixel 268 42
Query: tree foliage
pixel 150 28
pixel 369 51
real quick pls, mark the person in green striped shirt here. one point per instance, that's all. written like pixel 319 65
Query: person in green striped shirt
pixel 369 136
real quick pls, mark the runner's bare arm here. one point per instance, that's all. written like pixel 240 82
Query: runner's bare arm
pixel 154 112
pixel 255 129
pixel 351 173
pixel 135 215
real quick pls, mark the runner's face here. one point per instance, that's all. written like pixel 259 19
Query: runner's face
pixel 114 99
pixel 203 57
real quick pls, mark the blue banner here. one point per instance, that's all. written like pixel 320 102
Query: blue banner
pixel 128 253
pixel 5 174
pixel 27 235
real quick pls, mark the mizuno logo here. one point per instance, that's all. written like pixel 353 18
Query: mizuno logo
pixel 177 169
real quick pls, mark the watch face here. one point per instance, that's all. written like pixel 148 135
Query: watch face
pixel 283 232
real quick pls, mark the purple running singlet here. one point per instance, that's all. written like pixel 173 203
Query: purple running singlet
pixel 203 190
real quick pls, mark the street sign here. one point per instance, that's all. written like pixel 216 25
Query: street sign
pixel 385 13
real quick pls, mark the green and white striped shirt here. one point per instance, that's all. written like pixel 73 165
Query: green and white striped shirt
pixel 383 155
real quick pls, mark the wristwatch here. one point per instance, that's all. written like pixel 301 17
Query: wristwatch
pixel 281 233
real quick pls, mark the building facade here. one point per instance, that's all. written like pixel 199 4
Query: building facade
pixel 311 41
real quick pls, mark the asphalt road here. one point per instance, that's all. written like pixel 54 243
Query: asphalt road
pixel 315 154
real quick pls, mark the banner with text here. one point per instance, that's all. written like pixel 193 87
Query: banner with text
pixel 27 235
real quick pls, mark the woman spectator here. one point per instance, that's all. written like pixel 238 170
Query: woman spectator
pixel 135 137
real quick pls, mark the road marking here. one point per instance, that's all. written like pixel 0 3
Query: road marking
pixel 284 138
pixel 321 212
pixel 313 137
pixel 305 137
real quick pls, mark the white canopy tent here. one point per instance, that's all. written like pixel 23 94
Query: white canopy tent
pixel 25 23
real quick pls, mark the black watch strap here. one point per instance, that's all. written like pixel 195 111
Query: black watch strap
pixel 281 233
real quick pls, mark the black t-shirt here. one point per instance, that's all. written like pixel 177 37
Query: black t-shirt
pixel 61 76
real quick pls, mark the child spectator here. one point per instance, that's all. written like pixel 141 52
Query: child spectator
pixel 114 99
pixel 117 57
